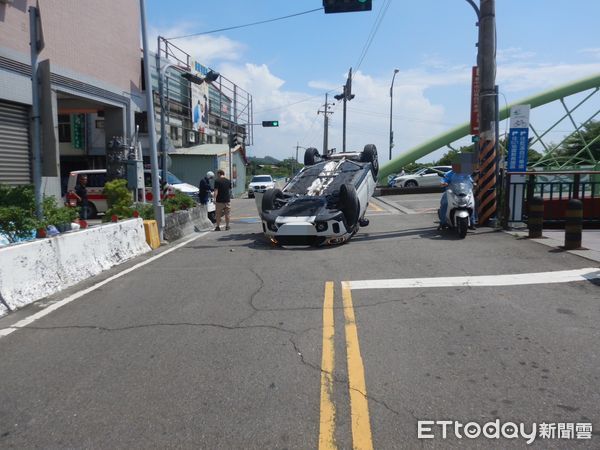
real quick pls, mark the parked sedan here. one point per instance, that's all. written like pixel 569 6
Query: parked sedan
pixel 426 177
pixel 260 183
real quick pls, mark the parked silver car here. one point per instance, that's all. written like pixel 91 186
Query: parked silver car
pixel 425 177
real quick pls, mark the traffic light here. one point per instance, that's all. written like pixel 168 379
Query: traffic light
pixel 340 6
pixel 235 139
pixel 270 123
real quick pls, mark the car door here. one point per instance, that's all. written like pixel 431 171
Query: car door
pixel 430 178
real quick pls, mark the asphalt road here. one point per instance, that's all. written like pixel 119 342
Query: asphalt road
pixel 228 342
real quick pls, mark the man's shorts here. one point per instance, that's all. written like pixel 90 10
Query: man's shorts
pixel 223 209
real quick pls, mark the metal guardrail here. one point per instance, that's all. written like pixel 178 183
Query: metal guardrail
pixel 556 190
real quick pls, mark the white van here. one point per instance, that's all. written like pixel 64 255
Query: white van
pixel 95 189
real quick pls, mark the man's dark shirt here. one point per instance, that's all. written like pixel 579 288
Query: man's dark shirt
pixel 223 186
pixel 204 190
pixel 81 191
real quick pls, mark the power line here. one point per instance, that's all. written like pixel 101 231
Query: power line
pixel 246 25
pixel 373 32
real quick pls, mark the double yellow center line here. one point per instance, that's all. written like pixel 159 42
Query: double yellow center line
pixel 359 405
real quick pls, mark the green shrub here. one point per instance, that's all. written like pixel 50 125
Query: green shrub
pixel 117 194
pixel 17 223
pixel 177 202
pixel 146 210
pixel 57 215
pixel 20 196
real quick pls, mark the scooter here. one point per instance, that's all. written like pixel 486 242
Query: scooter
pixel 461 204
pixel 211 209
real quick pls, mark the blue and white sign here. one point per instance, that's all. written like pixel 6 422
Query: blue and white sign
pixel 518 138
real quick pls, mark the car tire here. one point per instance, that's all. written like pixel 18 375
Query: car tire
pixel 411 184
pixel 250 195
pixel 212 216
pixel 349 206
pixel 369 154
pixel 269 197
pixel 311 156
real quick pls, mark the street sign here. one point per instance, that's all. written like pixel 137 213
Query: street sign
pixel 518 138
pixel 77 130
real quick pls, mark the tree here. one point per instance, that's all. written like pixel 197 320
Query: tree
pixel 574 143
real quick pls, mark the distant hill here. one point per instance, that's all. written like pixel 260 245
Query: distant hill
pixel 266 161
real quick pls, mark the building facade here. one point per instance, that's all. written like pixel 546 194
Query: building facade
pixel 90 86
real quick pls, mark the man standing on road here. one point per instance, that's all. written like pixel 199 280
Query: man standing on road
pixel 205 188
pixel 82 198
pixel 222 199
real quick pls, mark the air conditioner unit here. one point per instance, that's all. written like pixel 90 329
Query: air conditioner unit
pixel 191 136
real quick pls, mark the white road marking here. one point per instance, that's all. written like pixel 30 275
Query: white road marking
pixel 564 276
pixel 54 306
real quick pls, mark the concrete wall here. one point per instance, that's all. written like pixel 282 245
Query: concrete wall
pixel 182 223
pixel 37 269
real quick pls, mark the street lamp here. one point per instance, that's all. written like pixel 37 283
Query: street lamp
pixel 391 103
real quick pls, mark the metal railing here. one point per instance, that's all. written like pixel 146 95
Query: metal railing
pixel 556 188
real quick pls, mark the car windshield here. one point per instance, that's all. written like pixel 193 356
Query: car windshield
pixel 172 179
pixel 261 179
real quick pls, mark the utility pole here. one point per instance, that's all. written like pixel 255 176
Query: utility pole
pixel 486 61
pixel 346 96
pixel 159 211
pixel 37 44
pixel 325 126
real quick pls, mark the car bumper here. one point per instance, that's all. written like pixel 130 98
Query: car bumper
pixel 306 230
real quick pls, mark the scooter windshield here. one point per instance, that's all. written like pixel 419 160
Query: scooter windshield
pixel 461 184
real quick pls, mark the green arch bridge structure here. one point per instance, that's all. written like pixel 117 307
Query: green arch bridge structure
pixel 551 158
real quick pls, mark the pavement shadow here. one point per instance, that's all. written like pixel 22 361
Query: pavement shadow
pixel 428 233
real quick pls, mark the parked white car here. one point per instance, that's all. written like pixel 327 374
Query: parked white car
pixel 260 183
pixel 426 177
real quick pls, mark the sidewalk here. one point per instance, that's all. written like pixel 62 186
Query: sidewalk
pixel 590 241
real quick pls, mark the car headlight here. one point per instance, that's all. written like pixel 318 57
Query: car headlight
pixel 321 226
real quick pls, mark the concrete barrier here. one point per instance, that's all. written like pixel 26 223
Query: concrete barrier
pixel 36 269
pixel 182 223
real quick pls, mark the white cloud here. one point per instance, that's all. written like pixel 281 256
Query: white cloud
pixel 535 78
pixel 508 55
pixel 593 52
pixel 206 49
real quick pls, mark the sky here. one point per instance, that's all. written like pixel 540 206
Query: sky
pixel 289 65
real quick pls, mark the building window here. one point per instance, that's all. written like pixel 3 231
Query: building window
pixel 174 133
pixel 141 120
pixel 64 128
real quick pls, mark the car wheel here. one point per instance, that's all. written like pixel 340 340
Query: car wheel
pixel 411 184
pixel 311 156
pixel 369 154
pixel 269 198
pixel 212 216
pixel 349 205
pixel 250 195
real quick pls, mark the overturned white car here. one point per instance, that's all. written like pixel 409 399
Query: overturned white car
pixel 325 203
